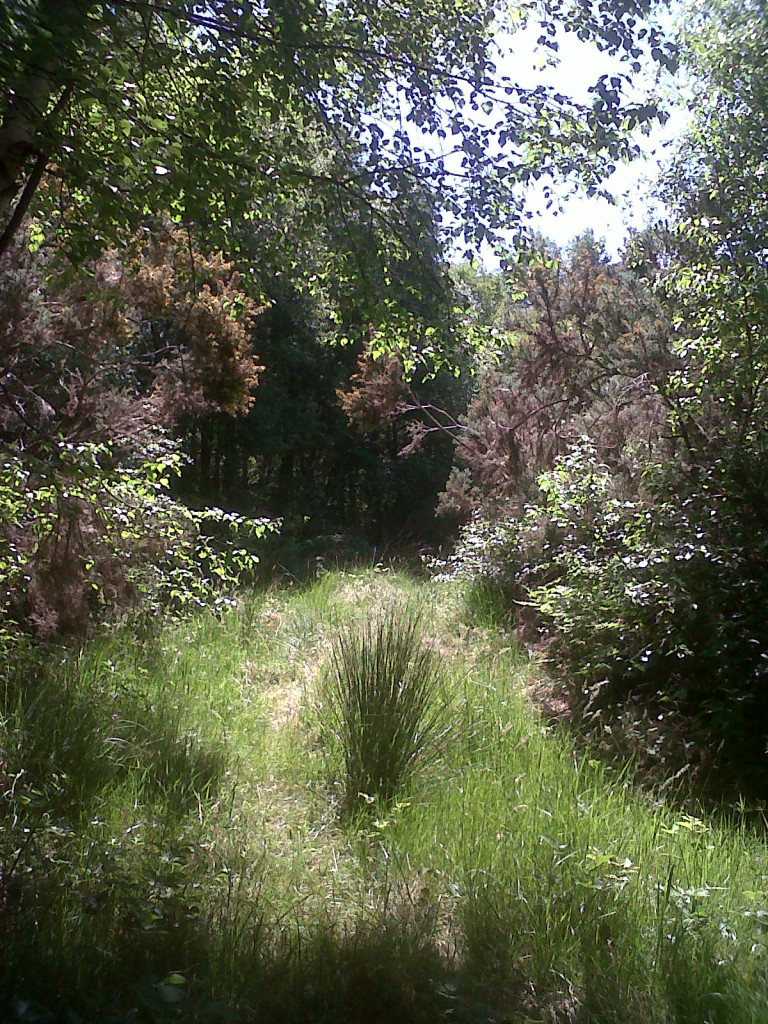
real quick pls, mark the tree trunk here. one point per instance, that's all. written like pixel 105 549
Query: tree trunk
pixel 204 460
pixel 21 132
pixel 33 101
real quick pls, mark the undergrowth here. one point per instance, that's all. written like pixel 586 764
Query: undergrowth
pixel 174 846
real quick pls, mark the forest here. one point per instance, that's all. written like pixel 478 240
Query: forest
pixel 383 584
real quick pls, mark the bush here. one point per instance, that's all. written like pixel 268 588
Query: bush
pixel 384 706
pixel 652 601
pixel 100 365
pixel 87 535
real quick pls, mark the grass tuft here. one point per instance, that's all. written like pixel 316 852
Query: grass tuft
pixel 385 704
pixel 489 602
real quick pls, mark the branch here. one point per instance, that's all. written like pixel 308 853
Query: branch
pixel 25 199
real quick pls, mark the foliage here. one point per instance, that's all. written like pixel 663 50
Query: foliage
pixel 127 340
pixel 96 367
pixel 572 345
pixel 213 113
pixel 138 135
pixel 697 586
pixel 295 456
pixel 650 589
pixel 85 535
pixel 642 554
pixel 654 597
pixel 383 705
pixel 523 559
pixel 581 349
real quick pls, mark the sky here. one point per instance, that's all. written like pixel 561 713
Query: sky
pixel 581 64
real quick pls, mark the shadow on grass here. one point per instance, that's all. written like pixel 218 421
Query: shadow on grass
pixel 374 973
pixel 288 561
pixel 81 745
pixel 382 971
pixel 388 968
pixel 73 732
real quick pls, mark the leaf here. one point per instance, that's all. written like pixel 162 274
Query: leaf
pixel 174 979
pixel 171 993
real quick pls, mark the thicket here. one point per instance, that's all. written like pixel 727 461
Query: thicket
pixel 98 365
pixel 615 460
pixel 297 456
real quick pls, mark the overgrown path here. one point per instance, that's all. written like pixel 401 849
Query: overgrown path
pixel 175 848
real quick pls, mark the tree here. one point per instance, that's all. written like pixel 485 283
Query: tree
pixel 113 111
pixel 718 277
pixel 95 366
pixel 284 133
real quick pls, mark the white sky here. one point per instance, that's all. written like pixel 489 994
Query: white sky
pixel 581 64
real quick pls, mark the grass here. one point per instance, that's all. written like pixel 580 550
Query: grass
pixel 382 703
pixel 173 847
pixel 489 602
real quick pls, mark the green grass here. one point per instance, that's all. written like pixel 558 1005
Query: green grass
pixel 489 602
pixel 173 846
pixel 383 703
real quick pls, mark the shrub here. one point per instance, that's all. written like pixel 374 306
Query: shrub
pixel 385 705
pixel 99 367
pixel 90 535
pixel 657 597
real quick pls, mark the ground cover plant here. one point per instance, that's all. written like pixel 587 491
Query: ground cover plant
pixel 175 848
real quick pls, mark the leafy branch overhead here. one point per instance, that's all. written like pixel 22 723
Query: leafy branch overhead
pixel 110 112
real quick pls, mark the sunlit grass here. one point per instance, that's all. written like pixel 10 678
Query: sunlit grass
pixel 571 890
pixel 172 845
pixel 383 703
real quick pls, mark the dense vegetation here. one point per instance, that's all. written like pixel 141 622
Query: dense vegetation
pixel 188 851
pixel 618 449
pixel 245 340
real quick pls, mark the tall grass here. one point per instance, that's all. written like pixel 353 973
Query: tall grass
pixel 571 894
pixel 385 703
pixel 171 849
pixel 109 757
